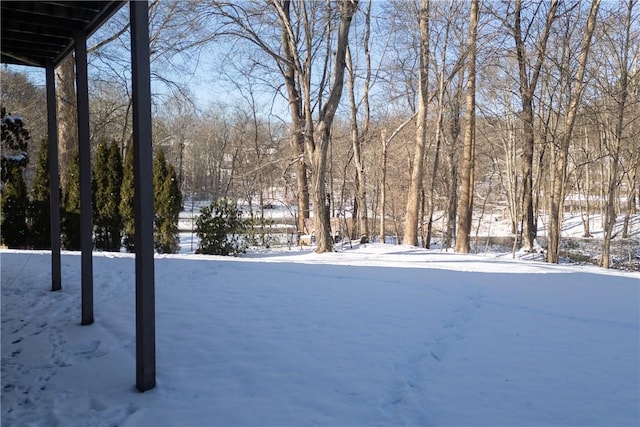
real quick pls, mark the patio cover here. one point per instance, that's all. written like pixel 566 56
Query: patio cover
pixel 42 34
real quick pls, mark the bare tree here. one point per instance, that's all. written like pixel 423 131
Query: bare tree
pixel 556 203
pixel 465 202
pixel 176 38
pixel 291 70
pixel 386 141
pixel 620 50
pixel 318 150
pixel 358 136
pixel 415 187
pixel 444 107
pixel 528 83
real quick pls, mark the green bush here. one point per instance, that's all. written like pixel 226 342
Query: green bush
pixel 167 204
pixel 220 228
pixel 71 205
pixel 127 209
pixel 107 183
pixel 14 209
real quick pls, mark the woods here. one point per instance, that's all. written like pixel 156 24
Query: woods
pixel 416 120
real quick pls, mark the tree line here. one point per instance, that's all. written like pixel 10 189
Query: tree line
pixel 26 219
pixel 411 119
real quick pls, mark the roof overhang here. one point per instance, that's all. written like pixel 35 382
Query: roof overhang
pixel 38 33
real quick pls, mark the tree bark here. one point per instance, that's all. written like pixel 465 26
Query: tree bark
pixel 384 154
pixel 556 204
pixel 527 91
pixel 442 85
pixel 358 137
pixel 297 120
pixel 465 202
pixel 614 151
pixel 318 151
pixel 413 197
pixel 67 115
pixel 383 184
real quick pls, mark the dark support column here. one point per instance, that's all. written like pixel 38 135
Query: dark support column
pixel 86 228
pixel 54 179
pixel 143 195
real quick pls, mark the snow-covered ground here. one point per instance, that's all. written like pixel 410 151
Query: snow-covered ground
pixel 375 335
pixel 491 232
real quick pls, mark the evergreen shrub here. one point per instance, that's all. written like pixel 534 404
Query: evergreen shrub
pixel 14 202
pixel 107 183
pixel 221 228
pixel 127 209
pixel 167 205
pixel 71 205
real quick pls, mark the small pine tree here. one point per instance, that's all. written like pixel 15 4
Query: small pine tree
pixel 220 228
pixel 14 208
pixel 71 203
pixel 175 195
pixel 167 204
pixel 115 225
pixel 159 199
pixel 127 208
pixel 99 183
pixel 170 235
pixel 107 183
pixel 39 210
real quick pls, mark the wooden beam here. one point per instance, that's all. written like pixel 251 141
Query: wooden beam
pixel 54 178
pixel 86 227
pixel 143 197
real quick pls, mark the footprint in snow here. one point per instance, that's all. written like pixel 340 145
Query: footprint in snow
pixel 88 349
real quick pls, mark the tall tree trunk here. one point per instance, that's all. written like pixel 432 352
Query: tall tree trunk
pixel 631 194
pixel 297 121
pixel 358 137
pixel 439 132
pixel 383 183
pixel 383 180
pixel 585 212
pixel 413 197
pixel 432 180
pixel 318 151
pixel 362 182
pixel 614 151
pixel 465 202
pixel 361 190
pixel 527 91
pixel 556 205
pixel 67 115
pixel 452 162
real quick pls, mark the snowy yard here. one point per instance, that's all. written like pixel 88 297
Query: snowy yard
pixel 378 335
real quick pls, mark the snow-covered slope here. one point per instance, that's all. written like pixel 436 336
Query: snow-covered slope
pixel 378 335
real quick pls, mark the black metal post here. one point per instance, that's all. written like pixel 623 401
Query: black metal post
pixel 143 195
pixel 54 178
pixel 86 228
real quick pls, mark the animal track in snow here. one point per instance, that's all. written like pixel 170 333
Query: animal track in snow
pixel 413 373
